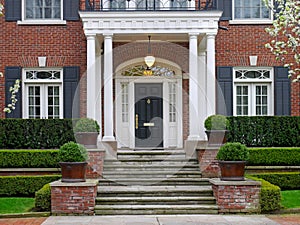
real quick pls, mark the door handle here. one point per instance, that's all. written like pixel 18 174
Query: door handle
pixel 136 121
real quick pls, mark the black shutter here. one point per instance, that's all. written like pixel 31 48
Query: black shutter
pixel 282 91
pixel 71 8
pixel 13 10
pixel 11 75
pixel 226 7
pixel 71 94
pixel 224 91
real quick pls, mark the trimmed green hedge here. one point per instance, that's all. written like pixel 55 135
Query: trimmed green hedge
pixel 29 159
pixel 286 181
pixel 35 133
pixel 24 185
pixel 265 131
pixel 43 198
pixel 270 196
pixel 274 157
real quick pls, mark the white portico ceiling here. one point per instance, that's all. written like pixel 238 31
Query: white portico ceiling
pixel 154 22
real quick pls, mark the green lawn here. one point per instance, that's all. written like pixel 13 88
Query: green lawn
pixel 290 199
pixel 16 205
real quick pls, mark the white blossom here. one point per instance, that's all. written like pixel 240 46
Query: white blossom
pixel 286 33
pixel 1 9
pixel 14 90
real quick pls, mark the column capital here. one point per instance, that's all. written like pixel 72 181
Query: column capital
pixel 193 35
pixel 91 36
pixel 108 35
pixel 211 35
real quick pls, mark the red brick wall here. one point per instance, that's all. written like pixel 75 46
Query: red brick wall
pixel 73 198
pixel 208 163
pixel 185 108
pixel 233 48
pixel 95 164
pixel 237 197
pixel 65 45
pixel 20 45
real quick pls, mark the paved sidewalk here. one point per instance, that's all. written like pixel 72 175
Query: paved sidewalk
pixel 161 220
pixel 284 219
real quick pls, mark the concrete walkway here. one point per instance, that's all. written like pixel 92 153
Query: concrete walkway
pixel 161 220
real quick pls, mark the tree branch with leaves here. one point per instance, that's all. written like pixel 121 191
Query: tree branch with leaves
pixel 285 33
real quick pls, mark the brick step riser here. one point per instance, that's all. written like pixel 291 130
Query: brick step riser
pixel 155 212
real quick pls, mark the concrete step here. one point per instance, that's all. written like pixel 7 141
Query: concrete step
pixel 155 161
pixel 142 174
pixel 153 181
pixel 151 152
pixel 154 191
pixel 147 182
pixel 179 200
pixel 155 209
pixel 151 167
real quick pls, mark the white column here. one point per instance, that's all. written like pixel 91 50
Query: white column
pixel 91 76
pixel 194 88
pixel 211 75
pixel 202 99
pixel 108 89
pixel 98 88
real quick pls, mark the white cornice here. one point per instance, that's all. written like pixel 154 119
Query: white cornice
pixel 162 22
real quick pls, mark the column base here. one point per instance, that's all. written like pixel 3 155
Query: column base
pixel 194 138
pixel 108 138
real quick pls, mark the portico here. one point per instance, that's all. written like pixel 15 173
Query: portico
pixel 104 30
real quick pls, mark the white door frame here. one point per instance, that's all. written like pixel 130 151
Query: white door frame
pixel 125 132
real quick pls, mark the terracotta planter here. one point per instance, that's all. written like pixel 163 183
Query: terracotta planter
pixel 216 137
pixel 88 139
pixel 232 170
pixel 73 171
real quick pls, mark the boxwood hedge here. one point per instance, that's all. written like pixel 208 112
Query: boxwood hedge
pixel 265 131
pixel 270 196
pixel 24 185
pixel 35 133
pixel 274 157
pixel 43 198
pixel 285 180
pixel 29 159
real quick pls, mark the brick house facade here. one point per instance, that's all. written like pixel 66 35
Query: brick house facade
pixel 94 54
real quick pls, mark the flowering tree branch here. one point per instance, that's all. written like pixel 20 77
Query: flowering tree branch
pixel 14 90
pixel 1 10
pixel 286 34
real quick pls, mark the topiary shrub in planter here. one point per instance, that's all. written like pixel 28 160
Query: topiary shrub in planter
pixel 73 163
pixel 86 132
pixel 232 160
pixel 216 129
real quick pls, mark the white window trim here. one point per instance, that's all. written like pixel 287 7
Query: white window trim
pixel 27 82
pixel 250 21
pixel 25 21
pixel 251 83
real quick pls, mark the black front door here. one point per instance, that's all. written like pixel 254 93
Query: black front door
pixel 148 115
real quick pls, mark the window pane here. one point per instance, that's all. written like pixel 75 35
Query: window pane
pixel 254 9
pixel 43 9
pixel 245 110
